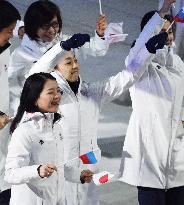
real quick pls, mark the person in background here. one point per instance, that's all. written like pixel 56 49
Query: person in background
pixel 43 29
pixel 179 35
pixel 8 17
pixel 19 30
pixel 152 157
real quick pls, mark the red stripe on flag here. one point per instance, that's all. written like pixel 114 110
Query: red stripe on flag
pixel 178 19
pixel 104 179
pixel 84 159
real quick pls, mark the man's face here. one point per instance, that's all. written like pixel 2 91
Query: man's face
pixel 170 38
pixel 6 34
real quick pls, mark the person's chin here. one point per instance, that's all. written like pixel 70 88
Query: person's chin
pixel 3 43
pixel 54 109
pixel 75 77
pixel 49 39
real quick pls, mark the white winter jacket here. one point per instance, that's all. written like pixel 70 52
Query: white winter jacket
pixel 30 51
pixel 153 148
pixel 80 118
pixel 36 141
pixel 4 107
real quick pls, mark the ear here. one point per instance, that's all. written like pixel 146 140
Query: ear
pixel 36 104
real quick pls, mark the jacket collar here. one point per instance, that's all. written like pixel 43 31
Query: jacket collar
pixel 2 49
pixel 36 48
pixel 63 84
pixel 36 116
pixel 43 122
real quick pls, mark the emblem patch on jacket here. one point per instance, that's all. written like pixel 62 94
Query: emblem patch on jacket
pixel 41 142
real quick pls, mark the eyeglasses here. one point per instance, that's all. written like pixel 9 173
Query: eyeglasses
pixel 53 24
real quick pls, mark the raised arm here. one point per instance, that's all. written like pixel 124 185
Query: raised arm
pixel 50 59
pixel 97 46
pixel 153 27
pixel 113 87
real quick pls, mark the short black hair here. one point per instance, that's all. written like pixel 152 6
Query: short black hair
pixel 149 15
pixel 146 18
pixel 8 14
pixel 38 14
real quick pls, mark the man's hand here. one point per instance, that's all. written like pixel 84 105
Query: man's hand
pixel 183 123
pixel 86 176
pixel 101 25
pixel 166 6
pixel 4 120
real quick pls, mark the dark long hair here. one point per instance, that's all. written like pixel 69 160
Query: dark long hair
pixel 40 13
pixel 30 93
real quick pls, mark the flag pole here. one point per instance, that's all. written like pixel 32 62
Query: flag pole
pixel 173 5
pixel 100 4
pixel 170 26
pixel 67 162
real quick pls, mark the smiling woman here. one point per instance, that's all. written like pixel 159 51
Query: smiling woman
pixel 40 94
pixel 49 98
pixel 33 142
pixel 36 149
pixel 69 67
pixel 43 21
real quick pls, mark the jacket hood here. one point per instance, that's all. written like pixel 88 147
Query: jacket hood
pixel 62 82
pixel 41 121
pixel 36 116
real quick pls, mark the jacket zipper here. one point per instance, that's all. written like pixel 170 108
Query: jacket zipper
pixel 79 135
pixel 170 143
pixel 57 182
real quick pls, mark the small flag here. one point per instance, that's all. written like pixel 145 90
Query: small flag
pixel 102 177
pixel 114 33
pixel 180 16
pixel 88 158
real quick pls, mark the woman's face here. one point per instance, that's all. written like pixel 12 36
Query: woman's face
pixel 69 67
pixel 48 31
pixel 50 97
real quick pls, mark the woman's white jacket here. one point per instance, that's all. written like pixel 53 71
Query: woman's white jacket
pixel 154 145
pixel 36 141
pixel 4 107
pixel 30 51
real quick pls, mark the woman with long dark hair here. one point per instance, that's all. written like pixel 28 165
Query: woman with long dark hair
pixel 35 159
